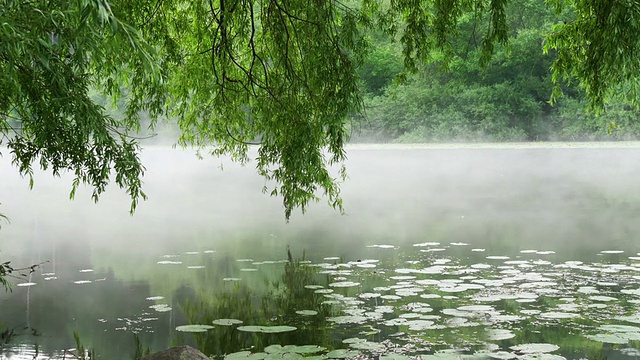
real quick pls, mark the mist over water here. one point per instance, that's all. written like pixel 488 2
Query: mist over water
pixel 576 201
pixel 545 196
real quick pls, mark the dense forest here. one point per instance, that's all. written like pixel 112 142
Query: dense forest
pixel 466 97
pixel 299 79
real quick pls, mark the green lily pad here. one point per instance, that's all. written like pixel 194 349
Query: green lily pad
pixel 368 345
pixel 499 334
pixel 342 354
pixel 286 356
pixel 267 329
pixel 227 322
pixel 307 312
pixel 502 355
pixel 344 284
pixel 631 318
pixel 302 349
pixel 542 356
pixel 348 319
pixel 245 355
pixel 602 298
pixel 535 348
pixel 620 328
pixel 161 307
pixel 251 328
pixel 194 328
pixel 558 315
pixel 353 340
pixel 278 349
pixel 323 291
pixel 394 357
pixel 26 284
pixel 278 329
pixel 608 338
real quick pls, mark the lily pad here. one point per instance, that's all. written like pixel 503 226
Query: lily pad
pixel 631 318
pixel 535 348
pixel 307 312
pixel 323 291
pixel 267 329
pixel 246 355
pixel 161 307
pixel 602 298
pixel 348 319
pixel 394 357
pixel 503 355
pixel 620 328
pixel 227 322
pixel 608 338
pixel 476 308
pixel 353 340
pixel 344 284
pixel 302 349
pixel 278 349
pixel 194 328
pixel 558 315
pixel 542 356
pixel 342 354
pixel 418 325
pixel 499 334
pixel 368 345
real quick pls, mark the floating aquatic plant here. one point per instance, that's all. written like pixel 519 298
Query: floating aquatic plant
pixel 267 329
pixel 227 322
pixel 194 328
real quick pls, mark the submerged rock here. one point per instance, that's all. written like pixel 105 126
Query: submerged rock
pixel 177 353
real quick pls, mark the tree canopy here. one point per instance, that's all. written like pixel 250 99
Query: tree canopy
pixel 279 73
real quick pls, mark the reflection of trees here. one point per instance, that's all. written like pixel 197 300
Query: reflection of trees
pixel 572 343
pixel 277 306
pixel 59 307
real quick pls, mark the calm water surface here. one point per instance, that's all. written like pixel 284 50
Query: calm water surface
pixel 486 252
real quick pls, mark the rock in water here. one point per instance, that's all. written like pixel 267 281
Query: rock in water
pixel 177 353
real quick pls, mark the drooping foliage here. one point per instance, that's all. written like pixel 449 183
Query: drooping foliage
pixel 598 46
pixel 51 54
pixel 279 73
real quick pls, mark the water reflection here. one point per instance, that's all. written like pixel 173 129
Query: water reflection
pixel 540 230
pixel 288 301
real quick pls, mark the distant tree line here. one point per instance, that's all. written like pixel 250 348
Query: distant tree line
pixel 465 96
pixel 291 73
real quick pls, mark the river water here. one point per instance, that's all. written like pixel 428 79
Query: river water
pixel 485 251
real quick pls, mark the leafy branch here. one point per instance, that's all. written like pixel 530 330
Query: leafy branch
pixel 8 271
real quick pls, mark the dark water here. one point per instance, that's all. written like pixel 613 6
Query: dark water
pixel 442 253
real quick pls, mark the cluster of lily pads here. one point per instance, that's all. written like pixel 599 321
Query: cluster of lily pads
pixel 494 297
pixel 438 305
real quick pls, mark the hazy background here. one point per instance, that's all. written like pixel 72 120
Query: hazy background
pixel 103 264
pixel 545 197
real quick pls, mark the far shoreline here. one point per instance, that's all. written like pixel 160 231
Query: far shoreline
pixel 498 145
